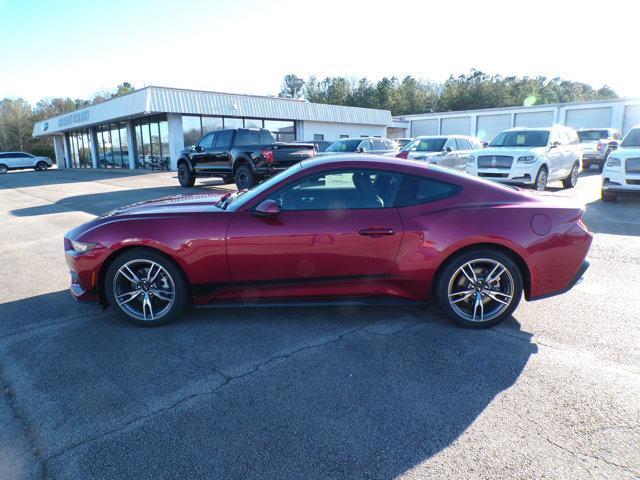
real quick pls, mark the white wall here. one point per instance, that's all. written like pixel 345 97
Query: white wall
pixel 332 131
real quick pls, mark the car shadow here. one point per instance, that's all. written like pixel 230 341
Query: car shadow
pixel 252 393
pixel 619 218
pixel 103 202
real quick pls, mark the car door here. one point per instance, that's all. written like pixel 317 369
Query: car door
pixel 336 232
pixel 450 154
pixel 221 158
pixel 462 154
pixel 364 146
pixel 202 158
pixel 556 155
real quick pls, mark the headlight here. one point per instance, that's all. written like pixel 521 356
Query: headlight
pixel 613 162
pixel 527 159
pixel 81 247
pixel 471 160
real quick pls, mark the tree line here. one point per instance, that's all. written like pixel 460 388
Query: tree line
pixel 473 90
pixel 17 118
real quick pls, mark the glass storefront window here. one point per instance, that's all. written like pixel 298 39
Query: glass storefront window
pixel 152 142
pixel 210 124
pixel 233 123
pixel 282 130
pixel 79 149
pixel 191 130
pixel 252 123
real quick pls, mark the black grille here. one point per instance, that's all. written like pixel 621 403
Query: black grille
pixel 632 165
pixel 493 175
pixel 495 161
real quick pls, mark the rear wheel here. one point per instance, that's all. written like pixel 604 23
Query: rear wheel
pixel 41 166
pixel 186 176
pixel 3 169
pixel 608 197
pixel 244 177
pixel 601 166
pixel 586 164
pixel 541 179
pixel 572 180
pixel 479 288
pixel 145 288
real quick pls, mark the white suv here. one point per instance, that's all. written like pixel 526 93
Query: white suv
pixel 530 156
pixel 18 160
pixel 621 174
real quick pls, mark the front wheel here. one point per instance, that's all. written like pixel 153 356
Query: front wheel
pixel 572 180
pixel 145 288
pixel 541 180
pixel 41 166
pixel 3 169
pixel 479 288
pixel 186 176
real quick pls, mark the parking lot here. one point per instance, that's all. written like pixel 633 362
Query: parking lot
pixel 308 393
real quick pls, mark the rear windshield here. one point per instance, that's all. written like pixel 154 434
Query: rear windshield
pixel 522 138
pixel 592 135
pixel 344 145
pixel 426 145
pixel 632 139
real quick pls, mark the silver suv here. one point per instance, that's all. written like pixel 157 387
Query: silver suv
pixel 447 150
pixel 20 160
pixel 375 145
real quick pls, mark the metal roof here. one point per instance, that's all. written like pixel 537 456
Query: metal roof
pixel 150 100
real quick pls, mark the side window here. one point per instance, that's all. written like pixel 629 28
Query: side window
pixel 341 190
pixel 223 139
pixel 266 138
pixel 365 145
pixel 451 143
pixel 207 141
pixel 464 144
pixel 247 137
pixel 572 135
pixel 4 155
pixel 378 144
pixel 418 190
pixel 617 136
pixel 318 136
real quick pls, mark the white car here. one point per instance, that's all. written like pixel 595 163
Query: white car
pixel 530 156
pixel 621 174
pixel 19 160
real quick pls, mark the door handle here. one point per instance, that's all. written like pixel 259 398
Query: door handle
pixel 376 232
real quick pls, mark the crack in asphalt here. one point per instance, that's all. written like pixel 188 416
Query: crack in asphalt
pixel 42 325
pixel 227 379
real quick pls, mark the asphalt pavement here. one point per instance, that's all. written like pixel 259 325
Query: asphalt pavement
pixel 343 393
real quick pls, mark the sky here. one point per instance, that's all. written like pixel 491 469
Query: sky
pixel 79 48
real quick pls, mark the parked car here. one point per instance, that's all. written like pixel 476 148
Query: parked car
pixel 357 229
pixel 22 160
pixel 243 155
pixel 402 142
pixel 530 156
pixel 447 150
pixel 621 174
pixel 597 143
pixel 373 145
pixel 321 145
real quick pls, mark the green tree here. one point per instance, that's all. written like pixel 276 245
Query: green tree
pixel 291 87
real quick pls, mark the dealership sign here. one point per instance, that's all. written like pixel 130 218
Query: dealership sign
pixel 77 117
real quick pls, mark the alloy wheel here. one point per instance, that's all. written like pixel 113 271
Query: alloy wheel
pixel 541 182
pixel 3 169
pixel 242 181
pixel 481 290
pixel 144 289
pixel 574 175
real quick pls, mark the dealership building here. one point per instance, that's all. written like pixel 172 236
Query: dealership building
pixel 152 125
pixel 487 123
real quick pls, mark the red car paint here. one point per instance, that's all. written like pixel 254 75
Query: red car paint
pixel 321 254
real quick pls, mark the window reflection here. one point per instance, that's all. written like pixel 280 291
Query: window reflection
pixel 210 124
pixel 282 130
pixel 233 123
pixel 152 142
pixel 79 149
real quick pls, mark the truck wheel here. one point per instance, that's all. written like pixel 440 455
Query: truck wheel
pixel 586 164
pixel 601 167
pixel 572 180
pixel 244 177
pixel 185 176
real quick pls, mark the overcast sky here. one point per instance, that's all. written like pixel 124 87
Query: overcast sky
pixel 77 48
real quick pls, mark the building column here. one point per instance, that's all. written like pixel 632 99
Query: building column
pixel 439 125
pixel 513 119
pixel 176 138
pixel 93 147
pixel 58 148
pixel 131 145
pixel 68 162
pixel 474 126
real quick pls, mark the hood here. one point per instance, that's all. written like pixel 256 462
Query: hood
pixel 171 205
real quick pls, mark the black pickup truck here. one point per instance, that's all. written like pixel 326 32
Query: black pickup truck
pixel 240 155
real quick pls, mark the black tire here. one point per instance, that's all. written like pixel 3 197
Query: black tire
pixel 41 166
pixel 244 177
pixel 572 180
pixel 601 167
pixel 3 169
pixel 451 274
pixel 186 176
pixel 175 277
pixel 608 197
pixel 586 164
pixel 541 179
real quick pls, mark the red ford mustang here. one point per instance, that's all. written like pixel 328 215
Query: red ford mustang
pixel 363 230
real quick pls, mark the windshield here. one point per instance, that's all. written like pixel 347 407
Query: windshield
pixel 344 145
pixel 632 139
pixel 238 199
pixel 426 145
pixel 592 135
pixel 521 138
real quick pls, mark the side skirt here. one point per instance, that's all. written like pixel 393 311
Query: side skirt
pixel 356 301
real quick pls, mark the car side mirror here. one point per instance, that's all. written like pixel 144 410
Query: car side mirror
pixel 359 150
pixel 613 145
pixel 448 149
pixel 555 144
pixel 199 149
pixel 267 208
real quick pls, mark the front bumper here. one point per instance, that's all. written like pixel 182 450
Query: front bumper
pixel 617 181
pixel 518 174
pixel 84 269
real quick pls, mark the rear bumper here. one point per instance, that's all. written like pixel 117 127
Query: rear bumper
pixel 593 157
pixel 574 281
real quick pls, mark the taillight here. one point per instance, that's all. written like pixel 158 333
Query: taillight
pixel 267 155
pixel 403 154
